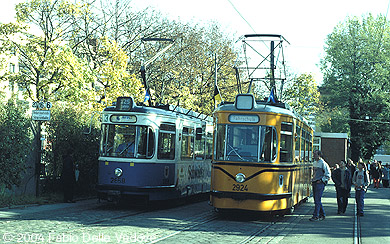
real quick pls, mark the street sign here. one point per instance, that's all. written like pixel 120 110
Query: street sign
pixel 42 105
pixel 43 115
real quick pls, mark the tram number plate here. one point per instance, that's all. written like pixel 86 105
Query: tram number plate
pixel 240 187
pixel 118 180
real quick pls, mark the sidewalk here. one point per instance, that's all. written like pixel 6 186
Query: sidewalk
pixel 375 225
pixel 6 213
pixel 340 229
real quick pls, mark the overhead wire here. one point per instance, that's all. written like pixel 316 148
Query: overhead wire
pixel 241 16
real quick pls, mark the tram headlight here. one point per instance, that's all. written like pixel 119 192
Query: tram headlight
pixel 240 177
pixel 118 172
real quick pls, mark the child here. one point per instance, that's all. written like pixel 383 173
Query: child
pixel 361 181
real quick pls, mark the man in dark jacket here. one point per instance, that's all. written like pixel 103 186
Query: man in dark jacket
pixel 342 179
pixel 68 176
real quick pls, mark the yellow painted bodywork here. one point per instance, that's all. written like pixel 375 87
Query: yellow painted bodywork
pixel 296 175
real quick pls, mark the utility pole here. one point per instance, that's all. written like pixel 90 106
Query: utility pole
pixel 39 115
pixel 147 63
pixel 272 63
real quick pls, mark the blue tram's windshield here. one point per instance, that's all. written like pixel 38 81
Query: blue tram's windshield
pixel 248 143
pixel 127 141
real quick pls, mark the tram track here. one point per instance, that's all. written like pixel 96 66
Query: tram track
pixel 193 221
pixel 256 233
pixel 206 219
pixel 210 218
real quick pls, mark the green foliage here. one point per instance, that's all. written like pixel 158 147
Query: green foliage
pixel 332 119
pixel 47 67
pixel 185 73
pixel 66 131
pixel 356 68
pixel 302 94
pixel 15 143
pixel 109 67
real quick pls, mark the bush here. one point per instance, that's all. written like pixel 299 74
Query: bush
pixel 66 131
pixel 15 143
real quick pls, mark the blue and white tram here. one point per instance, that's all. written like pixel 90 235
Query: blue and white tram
pixel 153 153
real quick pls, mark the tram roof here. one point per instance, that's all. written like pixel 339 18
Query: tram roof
pixel 165 110
pixel 263 107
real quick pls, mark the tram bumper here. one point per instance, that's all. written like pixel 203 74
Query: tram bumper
pixel 114 193
pixel 250 201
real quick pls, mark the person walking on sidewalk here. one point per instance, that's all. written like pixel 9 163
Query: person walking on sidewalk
pixel 361 181
pixel 376 173
pixel 386 175
pixel 342 179
pixel 321 175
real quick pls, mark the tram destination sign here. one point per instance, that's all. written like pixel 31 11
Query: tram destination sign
pixel 244 118
pixel 42 115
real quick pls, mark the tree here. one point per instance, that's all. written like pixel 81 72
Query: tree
pixel 98 39
pixel 15 143
pixel 356 74
pixel 47 65
pixel 185 74
pixel 302 94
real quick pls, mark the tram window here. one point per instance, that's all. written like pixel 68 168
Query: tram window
pixel 187 143
pixel 269 144
pixel 146 143
pixel 303 145
pixel 209 145
pixel 310 147
pixel 220 142
pixel 124 141
pixel 297 142
pixel 242 143
pixel 127 141
pixel 286 127
pixel 286 143
pixel 200 144
pixel 166 141
pixel 307 147
pixel 274 144
pixel 245 142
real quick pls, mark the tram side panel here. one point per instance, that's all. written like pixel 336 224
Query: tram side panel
pixel 193 170
pixel 156 168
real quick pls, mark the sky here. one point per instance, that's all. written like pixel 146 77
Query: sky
pixel 304 23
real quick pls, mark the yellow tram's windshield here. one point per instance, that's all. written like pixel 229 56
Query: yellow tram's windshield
pixel 127 141
pixel 247 143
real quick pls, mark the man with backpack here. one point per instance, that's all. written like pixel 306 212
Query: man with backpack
pixel 321 175
pixel 361 181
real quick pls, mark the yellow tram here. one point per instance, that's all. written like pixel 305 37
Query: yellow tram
pixel 262 156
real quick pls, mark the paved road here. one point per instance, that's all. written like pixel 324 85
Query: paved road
pixel 91 222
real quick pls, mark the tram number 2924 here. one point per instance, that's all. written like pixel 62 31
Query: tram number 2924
pixel 239 187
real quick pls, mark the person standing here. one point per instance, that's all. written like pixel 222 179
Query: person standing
pixel 321 175
pixel 68 176
pixel 361 181
pixel 342 179
pixel 386 175
pixel 376 173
